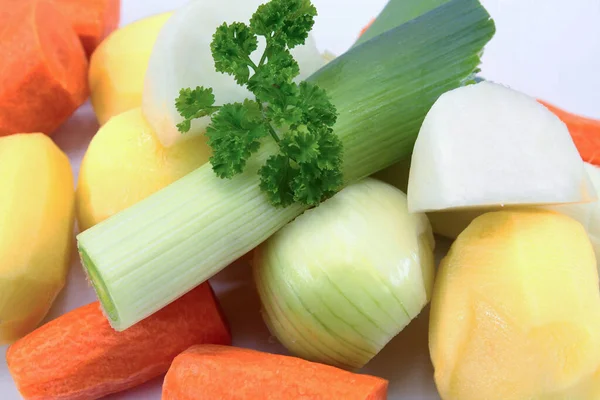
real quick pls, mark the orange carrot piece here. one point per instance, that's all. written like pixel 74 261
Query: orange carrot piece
pixel 366 27
pixel 584 131
pixel 210 372
pixel 43 68
pixel 78 356
pixel 93 20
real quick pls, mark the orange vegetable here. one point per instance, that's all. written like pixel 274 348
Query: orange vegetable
pixel 364 29
pixel 93 20
pixel 584 131
pixel 210 372
pixel 79 356
pixel 43 68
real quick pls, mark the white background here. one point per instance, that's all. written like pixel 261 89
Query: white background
pixel 549 49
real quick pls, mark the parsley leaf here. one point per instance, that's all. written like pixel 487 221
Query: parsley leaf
pixel 276 177
pixel 316 105
pixel 282 109
pixel 192 104
pixel 234 135
pixel 298 117
pixel 284 22
pixel 302 146
pixel 312 185
pixel 280 68
pixel 331 151
pixel 231 48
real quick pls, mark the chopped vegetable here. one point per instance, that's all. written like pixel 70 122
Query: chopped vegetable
pixel 125 163
pixel 220 372
pixel 149 254
pixel 341 280
pixel 396 12
pixel 451 223
pixel 488 145
pixel 93 20
pixel 515 311
pixel 36 227
pixel 366 27
pixel 298 117
pixel 584 131
pixel 43 69
pixel 118 67
pixel 182 58
pixel 78 356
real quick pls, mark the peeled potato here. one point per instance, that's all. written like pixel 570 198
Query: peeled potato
pixel 515 311
pixel 36 226
pixel 118 67
pixel 126 163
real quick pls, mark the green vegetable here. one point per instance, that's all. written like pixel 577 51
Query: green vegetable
pixel 397 12
pixel 298 117
pixel 340 281
pixel 150 254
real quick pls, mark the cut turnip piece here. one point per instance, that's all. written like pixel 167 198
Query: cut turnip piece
pixel 451 223
pixel 594 218
pixel 182 58
pixel 488 145
pixel 588 214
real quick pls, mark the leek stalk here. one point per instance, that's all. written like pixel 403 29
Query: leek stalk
pixel 395 13
pixel 154 252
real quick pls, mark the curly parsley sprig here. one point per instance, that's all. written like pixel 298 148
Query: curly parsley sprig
pixel 298 117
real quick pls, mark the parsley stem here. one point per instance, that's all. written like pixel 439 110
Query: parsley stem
pixel 206 111
pixel 273 133
pixel 264 56
pixel 268 49
pixel 251 64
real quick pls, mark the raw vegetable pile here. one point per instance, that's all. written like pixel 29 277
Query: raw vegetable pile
pixel 329 176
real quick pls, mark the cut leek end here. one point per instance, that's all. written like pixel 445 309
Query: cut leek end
pixel 106 302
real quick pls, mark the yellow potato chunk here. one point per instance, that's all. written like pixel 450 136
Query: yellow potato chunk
pixel 36 228
pixel 126 163
pixel 515 312
pixel 118 67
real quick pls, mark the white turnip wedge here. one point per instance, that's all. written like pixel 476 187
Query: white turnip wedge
pixel 488 145
pixel 451 223
pixel 182 58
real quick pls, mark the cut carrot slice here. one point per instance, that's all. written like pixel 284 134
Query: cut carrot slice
pixel 93 20
pixel 366 27
pixel 78 356
pixel 210 372
pixel 584 131
pixel 43 68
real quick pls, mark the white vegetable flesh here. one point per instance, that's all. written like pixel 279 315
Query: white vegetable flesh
pixel 488 145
